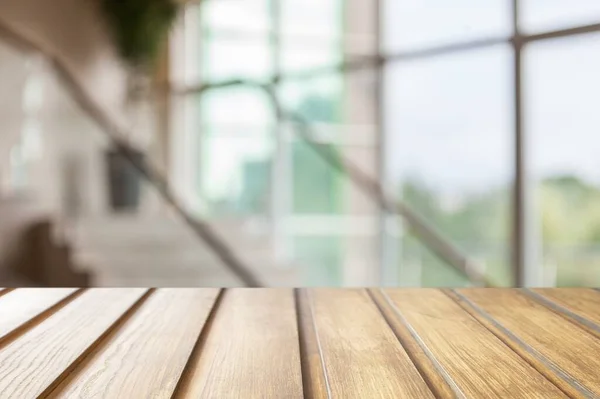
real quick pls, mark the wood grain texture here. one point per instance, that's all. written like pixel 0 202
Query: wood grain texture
pixel 304 343
pixel 146 356
pixel 564 352
pixel 423 361
pixel 476 360
pixel 35 361
pixel 250 351
pixel 20 307
pixel 313 373
pixel 361 355
pixel 576 304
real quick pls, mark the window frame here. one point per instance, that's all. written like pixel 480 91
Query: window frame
pixel 525 268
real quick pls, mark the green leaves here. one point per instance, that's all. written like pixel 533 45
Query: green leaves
pixel 139 27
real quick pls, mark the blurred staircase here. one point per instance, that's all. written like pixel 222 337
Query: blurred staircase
pixel 159 250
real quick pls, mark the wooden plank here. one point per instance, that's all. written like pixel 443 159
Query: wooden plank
pixel 147 355
pixel 565 353
pixel 581 305
pixel 361 355
pixel 439 383
pixel 35 361
pixel 475 360
pixel 19 308
pixel 250 351
pixel 313 375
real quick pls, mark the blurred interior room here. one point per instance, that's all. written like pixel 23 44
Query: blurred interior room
pixel 302 143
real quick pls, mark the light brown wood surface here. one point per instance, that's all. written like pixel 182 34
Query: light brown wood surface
pixel 307 343
pixel 251 350
pixel 23 306
pixel 160 336
pixel 36 360
pixel 463 348
pixel 356 342
pixel 562 350
pixel 579 304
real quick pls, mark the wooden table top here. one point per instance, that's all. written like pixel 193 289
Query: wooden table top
pixel 308 343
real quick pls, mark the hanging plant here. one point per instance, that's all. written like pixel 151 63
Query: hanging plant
pixel 139 27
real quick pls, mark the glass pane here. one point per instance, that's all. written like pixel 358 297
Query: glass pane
pixel 236 106
pixel 236 170
pixel 317 188
pixel 563 91
pixel 318 99
pixel 542 15
pixel 236 59
pixel 298 57
pixel 428 268
pixel 237 15
pixel 410 24
pixel 311 34
pixel 320 258
pixel 336 254
pixel 449 136
pixel 312 18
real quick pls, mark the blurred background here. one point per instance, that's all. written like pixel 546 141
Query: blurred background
pixel 477 120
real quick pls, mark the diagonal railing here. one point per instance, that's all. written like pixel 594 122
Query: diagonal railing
pixel 431 238
pixel 116 135
pixel 434 240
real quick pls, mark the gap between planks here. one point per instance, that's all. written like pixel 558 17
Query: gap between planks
pixel 185 379
pixel 439 381
pixel 314 371
pixel 322 317
pixel 315 383
pixel 87 356
pixel 112 368
pixel 37 319
pixel 314 374
pixel 566 310
pixel 251 349
pixel 562 379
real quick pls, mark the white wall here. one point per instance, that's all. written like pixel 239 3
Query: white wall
pixel 73 30
pixel 12 79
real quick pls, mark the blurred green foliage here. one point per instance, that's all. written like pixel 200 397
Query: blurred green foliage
pixel 139 27
pixel 568 211
pixel 317 186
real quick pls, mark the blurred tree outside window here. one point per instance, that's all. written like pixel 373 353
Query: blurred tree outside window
pixel 238 125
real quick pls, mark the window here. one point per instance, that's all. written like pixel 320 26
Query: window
pixel 241 16
pixel 545 15
pixel 448 124
pixel 450 133
pixel 563 91
pixel 247 159
pixel 413 25
pixel 236 125
pixel 316 187
pixel 236 150
pixel 449 138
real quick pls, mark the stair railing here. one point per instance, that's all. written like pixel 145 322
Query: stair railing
pixel 372 188
pixel 427 234
pixel 116 135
